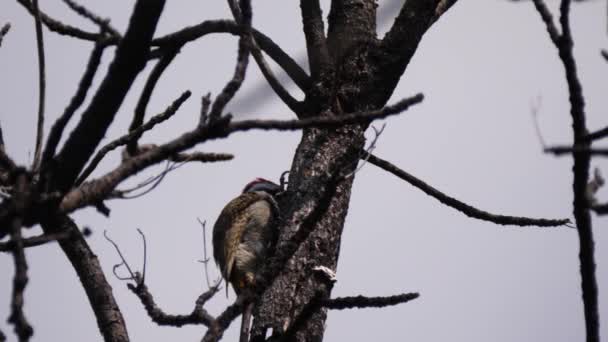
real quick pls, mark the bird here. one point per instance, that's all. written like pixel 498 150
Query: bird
pixel 244 236
pixel 245 232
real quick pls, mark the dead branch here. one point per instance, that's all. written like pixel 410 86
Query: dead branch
pixel 34 241
pixel 134 134
pixel 316 42
pixel 86 264
pixel 60 27
pixel 360 302
pixel 602 133
pixel 41 87
pixel 104 24
pixel 140 109
pixel 130 59
pixel 461 206
pixel 83 87
pixel 198 315
pixel 3 31
pixel 132 275
pixel 223 321
pixel 205 260
pixel 22 329
pixel 242 61
pixel 564 44
pixel 570 150
pixel 291 67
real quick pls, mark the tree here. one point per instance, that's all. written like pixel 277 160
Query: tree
pixel 352 76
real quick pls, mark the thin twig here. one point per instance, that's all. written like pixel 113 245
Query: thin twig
pixel 191 33
pixel 83 87
pixel 461 206
pixel 547 18
pixel 143 272
pixel 3 31
pixel 272 80
pixel 368 150
pixel 104 24
pixel 535 108
pixel 205 260
pixel 59 27
pixel 602 133
pixel 133 276
pixel 41 87
pixel 205 105
pixel 198 315
pixel 242 62
pixel 170 111
pixel 35 241
pixel 140 109
pixel 360 302
pixel 569 150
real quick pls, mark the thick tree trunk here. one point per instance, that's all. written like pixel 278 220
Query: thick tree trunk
pixel 314 211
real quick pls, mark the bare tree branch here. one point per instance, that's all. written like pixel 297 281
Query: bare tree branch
pixel 242 60
pixel 600 209
pixel 104 24
pixel 316 44
pixel 75 102
pixel 3 31
pixel 582 162
pixel 568 150
pixel 274 83
pixel 131 57
pixel 547 18
pixel 461 206
pixel 140 109
pixel 198 315
pixel 360 302
pixel 222 322
pixel 297 74
pixel 23 329
pixel 41 87
pixel 34 241
pixel 398 46
pixel 99 292
pixel 293 104
pixel 602 133
pixel 134 134
pixel 59 27
pixel 605 54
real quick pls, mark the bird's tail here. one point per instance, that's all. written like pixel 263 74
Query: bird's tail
pixel 245 322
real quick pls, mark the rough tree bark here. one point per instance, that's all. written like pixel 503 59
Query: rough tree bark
pixel 362 74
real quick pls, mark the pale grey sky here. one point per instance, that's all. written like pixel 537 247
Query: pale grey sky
pixel 480 68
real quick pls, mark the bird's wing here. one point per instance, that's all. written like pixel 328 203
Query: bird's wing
pixel 229 227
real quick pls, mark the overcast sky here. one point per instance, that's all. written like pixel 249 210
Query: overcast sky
pixel 481 68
